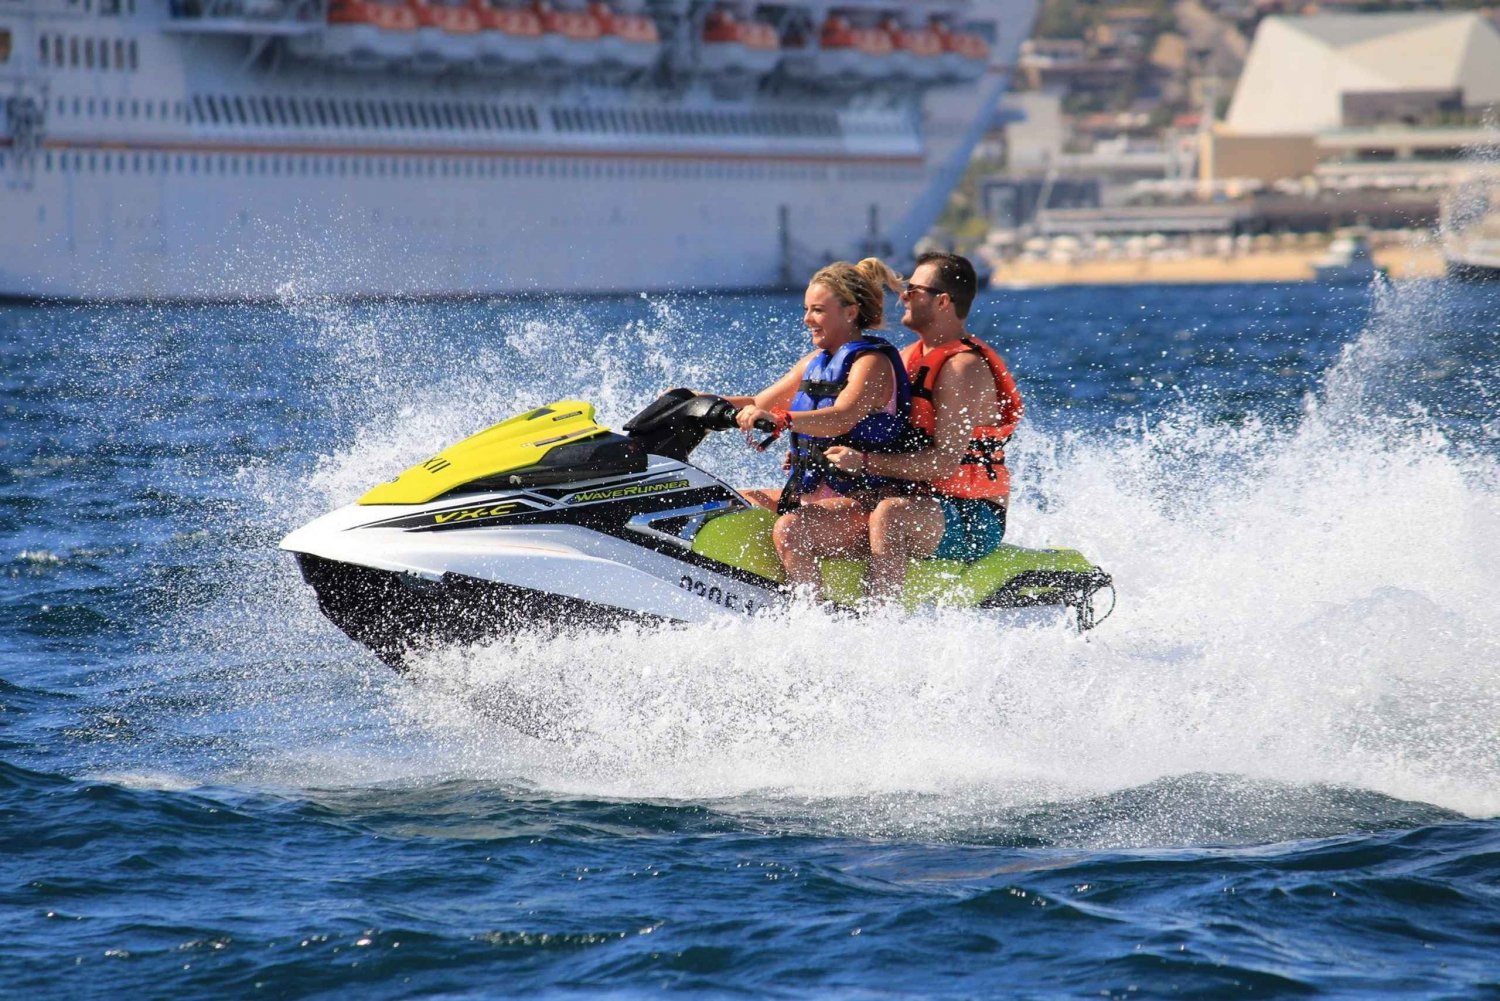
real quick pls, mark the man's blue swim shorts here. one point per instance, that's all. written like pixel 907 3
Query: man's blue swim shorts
pixel 972 529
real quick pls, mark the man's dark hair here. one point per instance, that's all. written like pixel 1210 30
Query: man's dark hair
pixel 957 278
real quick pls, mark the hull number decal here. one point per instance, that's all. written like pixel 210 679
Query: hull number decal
pixel 634 490
pixel 717 595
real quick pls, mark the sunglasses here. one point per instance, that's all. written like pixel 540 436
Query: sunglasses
pixel 909 287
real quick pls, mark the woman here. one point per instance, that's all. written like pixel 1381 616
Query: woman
pixel 851 390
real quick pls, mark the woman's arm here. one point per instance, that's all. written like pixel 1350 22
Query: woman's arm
pixel 778 394
pixel 870 387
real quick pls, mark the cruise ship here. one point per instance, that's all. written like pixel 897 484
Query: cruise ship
pixel 255 149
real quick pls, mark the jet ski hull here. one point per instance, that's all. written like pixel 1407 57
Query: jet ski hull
pixel 396 614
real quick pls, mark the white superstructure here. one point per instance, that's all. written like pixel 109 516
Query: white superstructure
pixel 223 149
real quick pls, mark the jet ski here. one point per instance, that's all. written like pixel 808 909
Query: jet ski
pixel 551 520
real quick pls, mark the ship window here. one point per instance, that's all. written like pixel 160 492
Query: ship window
pixel 293 109
pixel 88 53
pixel 73 51
pixel 119 53
pixel 319 111
pixel 239 110
pixel 57 50
pixel 104 53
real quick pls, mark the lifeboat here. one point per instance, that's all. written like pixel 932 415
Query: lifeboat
pixel 362 34
pixel 965 55
pixel 572 38
pixel 918 52
pixel 509 37
pixel 732 47
pixel 627 41
pixel 448 35
pixel 847 54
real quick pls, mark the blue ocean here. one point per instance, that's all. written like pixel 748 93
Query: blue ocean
pixel 1272 771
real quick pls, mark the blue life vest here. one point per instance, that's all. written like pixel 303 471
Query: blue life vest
pixel 822 381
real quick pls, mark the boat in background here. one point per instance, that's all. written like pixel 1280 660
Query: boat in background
pixel 1347 260
pixel 229 149
pixel 1471 230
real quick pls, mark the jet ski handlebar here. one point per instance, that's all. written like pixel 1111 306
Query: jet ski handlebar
pixel 676 422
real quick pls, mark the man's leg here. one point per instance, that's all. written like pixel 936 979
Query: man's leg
pixel 901 529
pixel 833 527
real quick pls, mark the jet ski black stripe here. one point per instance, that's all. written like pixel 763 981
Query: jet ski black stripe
pixel 612 517
pixel 530 500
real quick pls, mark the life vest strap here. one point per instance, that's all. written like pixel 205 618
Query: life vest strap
pixel 822 389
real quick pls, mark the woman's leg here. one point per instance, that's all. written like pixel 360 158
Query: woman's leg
pixel 766 498
pixel 901 529
pixel 833 527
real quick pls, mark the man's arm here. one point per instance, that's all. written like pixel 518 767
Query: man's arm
pixel 964 400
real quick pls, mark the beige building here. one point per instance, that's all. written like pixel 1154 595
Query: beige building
pixel 1395 95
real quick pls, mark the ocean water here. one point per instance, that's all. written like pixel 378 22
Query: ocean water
pixel 1273 771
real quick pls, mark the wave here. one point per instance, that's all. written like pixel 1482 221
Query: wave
pixel 1305 603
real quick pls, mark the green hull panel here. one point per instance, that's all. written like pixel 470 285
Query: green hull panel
pixel 1009 575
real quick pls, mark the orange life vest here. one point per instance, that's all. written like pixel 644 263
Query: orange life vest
pixel 982 472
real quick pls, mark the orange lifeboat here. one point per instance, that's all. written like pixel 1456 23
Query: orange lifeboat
pixel 631 41
pixel 510 37
pixel 732 47
pixel 448 34
pixel 852 53
pixel 965 55
pixel 919 51
pixel 571 37
pixel 362 34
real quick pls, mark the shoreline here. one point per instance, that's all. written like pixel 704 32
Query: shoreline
pixel 1400 263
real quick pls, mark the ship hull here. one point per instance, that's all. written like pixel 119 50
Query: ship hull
pixel 189 156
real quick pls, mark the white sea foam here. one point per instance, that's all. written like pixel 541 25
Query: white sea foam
pixel 1313 604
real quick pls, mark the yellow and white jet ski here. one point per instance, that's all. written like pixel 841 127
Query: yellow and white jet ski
pixel 550 519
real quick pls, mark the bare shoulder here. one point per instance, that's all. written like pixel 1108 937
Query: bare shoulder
pixel 965 372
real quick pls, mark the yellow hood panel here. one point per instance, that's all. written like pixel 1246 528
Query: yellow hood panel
pixel 511 445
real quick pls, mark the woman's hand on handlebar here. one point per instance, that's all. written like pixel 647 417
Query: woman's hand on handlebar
pixel 749 415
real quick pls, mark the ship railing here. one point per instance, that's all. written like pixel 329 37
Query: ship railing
pixel 258 17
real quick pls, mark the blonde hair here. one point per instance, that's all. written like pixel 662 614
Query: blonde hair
pixel 861 285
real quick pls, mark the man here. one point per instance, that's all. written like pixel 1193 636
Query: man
pixel 967 402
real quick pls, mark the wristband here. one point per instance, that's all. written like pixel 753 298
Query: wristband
pixel 783 419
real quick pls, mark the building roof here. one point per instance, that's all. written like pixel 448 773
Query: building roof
pixel 1299 67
